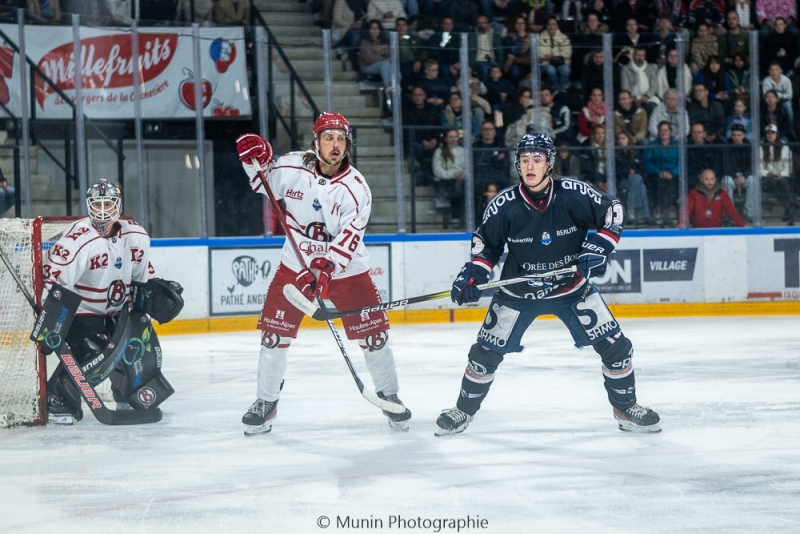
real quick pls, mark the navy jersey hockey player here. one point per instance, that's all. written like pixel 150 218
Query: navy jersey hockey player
pixel 543 222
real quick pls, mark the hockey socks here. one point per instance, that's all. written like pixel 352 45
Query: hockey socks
pixel 620 381
pixel 380 362
pixel 272 365
pixel 478 378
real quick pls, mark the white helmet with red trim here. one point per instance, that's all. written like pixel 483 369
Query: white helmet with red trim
pixel 104 202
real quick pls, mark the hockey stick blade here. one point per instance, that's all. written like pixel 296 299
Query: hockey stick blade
pixel 299 301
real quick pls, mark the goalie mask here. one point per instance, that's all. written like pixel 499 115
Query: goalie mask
pixel 104 202
pixel 332 121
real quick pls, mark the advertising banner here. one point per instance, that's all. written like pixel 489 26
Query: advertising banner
pixel 165 72
pixel 239 277
pixel 773 267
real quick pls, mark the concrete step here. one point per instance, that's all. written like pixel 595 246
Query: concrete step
pixel 7 161
pixel 315 74
pixel 369 151
pixel 306 39
pixel 268 7
pixel 317 87
pixel 299 30
pixel 52 208
pixel 281 19
pixel 310 53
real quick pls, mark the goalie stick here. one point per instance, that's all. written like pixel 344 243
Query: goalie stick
pixel 299 301
pixel 366 393
pixel 99 410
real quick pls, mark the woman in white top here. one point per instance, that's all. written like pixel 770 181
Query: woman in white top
pixel 776 169
pixel 449 163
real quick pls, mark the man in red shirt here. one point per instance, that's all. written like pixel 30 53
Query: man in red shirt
pixel 707 202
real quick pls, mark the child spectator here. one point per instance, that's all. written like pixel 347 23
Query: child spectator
pixel 741 117
pixel 776 81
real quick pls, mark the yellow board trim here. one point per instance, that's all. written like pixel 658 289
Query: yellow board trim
pixel 463 315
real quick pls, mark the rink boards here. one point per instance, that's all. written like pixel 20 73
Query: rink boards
pixel 653 273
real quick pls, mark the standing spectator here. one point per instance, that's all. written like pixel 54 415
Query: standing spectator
pixel 776 81
pixel 453 115
pixel 709 12
pixel 421 113
pixel 555 55
pixel 700 156
pixel 443 46
pixel 436 87
pixel 230 13
pixel 640 11
pixel 376 55
pixel 630 183
pixel 6 195
pixel 410 54
pixel 594 159
pixel 568 164
pixel 498 89
pixel 661 166
pixel 738 175
pixel 385 12
pixel 593 114
pixel 664 39
pixel 739 76
pixel 734 41
pixel 640 79
pixel 464 14
pixel 772 113
pixel 667 112
pixel 776 168
pixel 517 44
pixel 780 46
pixel 630 119
pixel 594 73
pixel 707 202
pixel 560 116
pixel 715 80
pixel 668 75
pixel 703 47
pixel 449 163
pixel 741 117
pixel 43 12
pixel 488 48
pixel 490 159
pixel 708 112
pixel 349 16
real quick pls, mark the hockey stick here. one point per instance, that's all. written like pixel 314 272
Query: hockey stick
pixel 99 410
pixel 298 300
pixel 367 394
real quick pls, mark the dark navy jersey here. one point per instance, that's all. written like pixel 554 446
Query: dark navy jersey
pixel 544 235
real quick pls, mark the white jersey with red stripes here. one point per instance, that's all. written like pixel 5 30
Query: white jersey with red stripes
pixel 99 269
pixel 327 215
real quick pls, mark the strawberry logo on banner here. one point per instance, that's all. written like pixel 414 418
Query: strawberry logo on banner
pixel 106 62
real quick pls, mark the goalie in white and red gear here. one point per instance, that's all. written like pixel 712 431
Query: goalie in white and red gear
pixel 328 203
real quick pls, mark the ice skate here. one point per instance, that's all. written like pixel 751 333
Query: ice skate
pixel 638 419
pixel 60 413
pixel 258 419
pixel 452 421
pixel 398 421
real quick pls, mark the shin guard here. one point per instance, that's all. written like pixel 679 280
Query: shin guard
pixel 620 383
pixel 380 362
pixel 272 365
pixel 478 378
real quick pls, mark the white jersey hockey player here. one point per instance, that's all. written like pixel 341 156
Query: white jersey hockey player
pixel 328 204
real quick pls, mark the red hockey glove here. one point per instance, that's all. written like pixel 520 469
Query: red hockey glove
pixel 305 282
pixel 251 146
pixel 325 268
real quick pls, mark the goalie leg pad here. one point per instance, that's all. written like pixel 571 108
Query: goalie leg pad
pixel 272 365
pixel 478 378
pixel 151 394
pixel 54 321
pixel 380 362
pixel 620 383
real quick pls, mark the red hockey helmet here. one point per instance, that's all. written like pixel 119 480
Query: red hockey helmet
pixel 331 121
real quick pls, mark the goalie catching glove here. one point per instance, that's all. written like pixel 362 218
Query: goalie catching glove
pixel 158 298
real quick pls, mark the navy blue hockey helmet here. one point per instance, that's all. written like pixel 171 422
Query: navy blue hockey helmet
pixel 536 143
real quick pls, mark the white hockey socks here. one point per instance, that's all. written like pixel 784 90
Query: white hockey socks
pixel 272 366
pixel 380 362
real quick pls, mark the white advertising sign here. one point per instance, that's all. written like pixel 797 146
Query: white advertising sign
pixel 239 277
pixel 773 267
pixel 165 71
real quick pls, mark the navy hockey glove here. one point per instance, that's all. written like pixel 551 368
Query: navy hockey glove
pixel 465 285
pixel 593 259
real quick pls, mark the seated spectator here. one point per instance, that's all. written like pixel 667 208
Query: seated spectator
pixel 385 12
pixel 486 195
pixel 739 76
pixel 488 48
pixel 708 112
pixel 555 56
pixel 625 44
pixel 375 54
pixel 734 41
pixel 776 169
pixel 593 114
pixel 640 79
pixel 433 10
pixel 715 80
pixel 43 12
pixel 409 50
pixel 703 47
pixel 667 111
pixel 560 116
pixel 668 75
pixel 776 81
pixel 524 118
pixel 443 46
pixel 772 113
pixel 464 14
pixel 436 88
pixel 453 116
pixel 707 202
pixel 568 164
pixel 592 25
pixel 419 112
pixel 230 12
pixel 708 12
pixel 780 46
pixel 570 15
pixel 349 17
pixel 640 11
pixel 593 76
pixel 498 89
pixel 449 163
pixel 630 119
pixel 584 46
pixel 537 16
pixel 506 8
pixel 664 40
pixel 6 195
pixel 490 159
pixel 594 158
pixel 738 166
pixel 630 184
pixel 661 166
pixel 517 45
pixel 604 15
pixel 203 10
pixel 700 156
pixel 740 117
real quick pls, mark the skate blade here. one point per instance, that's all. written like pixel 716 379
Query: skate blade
pixel 442 432
pixel 627 426
pixel 257 430
pixel 60 419
pixel 399 426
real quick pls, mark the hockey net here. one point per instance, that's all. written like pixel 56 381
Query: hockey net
pixel 23 369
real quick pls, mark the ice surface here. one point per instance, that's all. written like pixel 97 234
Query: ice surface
pixel 543 455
